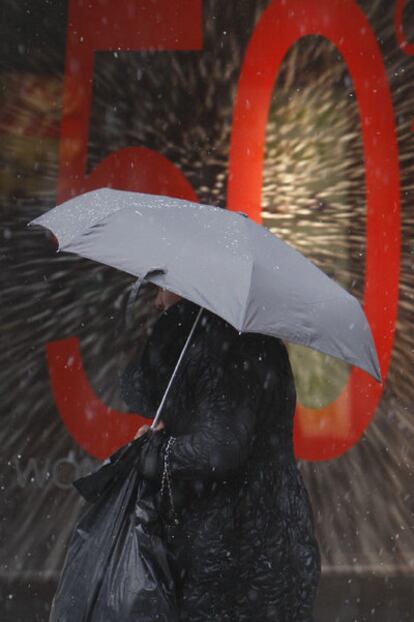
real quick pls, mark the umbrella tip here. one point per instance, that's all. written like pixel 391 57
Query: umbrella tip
pixel 243 214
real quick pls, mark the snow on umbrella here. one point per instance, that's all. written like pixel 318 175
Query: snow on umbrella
pixel 221 260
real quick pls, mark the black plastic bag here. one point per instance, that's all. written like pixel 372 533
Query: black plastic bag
pixel 116 567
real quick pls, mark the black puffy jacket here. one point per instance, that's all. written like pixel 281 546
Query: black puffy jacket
pixel 244 549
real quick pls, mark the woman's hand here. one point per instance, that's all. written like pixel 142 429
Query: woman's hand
pixel 144 428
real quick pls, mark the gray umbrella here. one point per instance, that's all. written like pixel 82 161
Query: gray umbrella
pixel 220 260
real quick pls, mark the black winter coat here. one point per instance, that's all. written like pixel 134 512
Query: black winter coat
pixel 244 549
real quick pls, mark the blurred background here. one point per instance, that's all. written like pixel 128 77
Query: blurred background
pixel 143 95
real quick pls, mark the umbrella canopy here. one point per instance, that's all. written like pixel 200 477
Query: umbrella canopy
pixel 222 261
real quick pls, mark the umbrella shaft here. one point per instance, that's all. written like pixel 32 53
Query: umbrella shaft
pixel 158 414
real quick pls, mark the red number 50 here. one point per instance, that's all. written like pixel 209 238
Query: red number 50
pixel 176 24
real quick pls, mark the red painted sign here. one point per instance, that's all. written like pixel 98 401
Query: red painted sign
pixel 176 25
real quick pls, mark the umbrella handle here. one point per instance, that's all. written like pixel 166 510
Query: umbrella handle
pixel 190 334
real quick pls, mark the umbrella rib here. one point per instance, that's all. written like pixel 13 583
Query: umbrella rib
pixel 244 308
pixel 99 222
pixel 183 351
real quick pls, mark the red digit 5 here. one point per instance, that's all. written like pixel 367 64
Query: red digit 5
pixel 93 26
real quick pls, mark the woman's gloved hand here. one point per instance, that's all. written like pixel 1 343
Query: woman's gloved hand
pixel 144 428
pixel 151 460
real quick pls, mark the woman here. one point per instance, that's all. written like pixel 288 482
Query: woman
pixel 244 548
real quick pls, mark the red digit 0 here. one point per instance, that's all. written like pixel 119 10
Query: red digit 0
pixel 325 433
pixel 93 26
